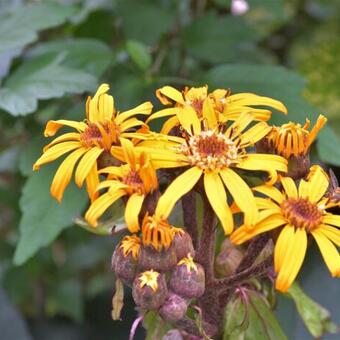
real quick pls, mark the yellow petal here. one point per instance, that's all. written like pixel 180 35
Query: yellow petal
pixel 331 233
pixel 289 187
pixel 71 136
pixel 217 197
pixel 142 109
pixel 266 203
pixel 130 123
pixel 163 113
pixel 321 121
pixel 318 183
pixel 292 261
pixel 271 192
pixel 169 124
pixel 209 114
pixel 264 162
pixel 54 125
pixel 55 152
pixel 98 207
pixel 242 195
pixel 101 106
pixel 189 120
pixel 254 134
pixel 129 154
pixel 86 164
pixel 253 99
pixel 64 173
pixel 244 234
pixel 132 210
pixel 92 182
pixel 239 125
pixel 331 219
pixel 178 188
pixel 168 92
pixel 329 252
pixel 282 245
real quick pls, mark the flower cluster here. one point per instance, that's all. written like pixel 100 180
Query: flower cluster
pixel 214 145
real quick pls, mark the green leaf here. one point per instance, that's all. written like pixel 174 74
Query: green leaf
pixel 41 78
pixel 251 320
pixel 145 21
pixel 20 27
pixel 227 38
pixel 66 299
pixel 328 146
pixel 43 218
pixel 88 55
pixel 155 327
pixel 139 54
pixel 315 317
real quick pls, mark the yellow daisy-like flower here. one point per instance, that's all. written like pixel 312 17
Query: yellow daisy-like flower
pixel 214 155
pixel 293 139
pixel 135 179
pixel 131 245
pixel 222 103
pixel 157 233
pixel 102 129
pixel 149 278
pixel 298 212
pixel 189 263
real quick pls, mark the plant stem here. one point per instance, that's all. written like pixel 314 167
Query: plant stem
pixel 189 215
pixel 253 251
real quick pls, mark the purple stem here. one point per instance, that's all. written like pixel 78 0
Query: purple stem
pixel 134 327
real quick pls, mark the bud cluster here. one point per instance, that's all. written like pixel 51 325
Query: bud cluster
pixel 164 280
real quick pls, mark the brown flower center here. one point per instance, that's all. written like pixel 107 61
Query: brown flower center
pixel 211 150
pixel 100 134
pixel 133 180
pixel 302 213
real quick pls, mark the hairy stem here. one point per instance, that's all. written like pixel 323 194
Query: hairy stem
pixel 238 278
pixel 189 216
pixel 254 249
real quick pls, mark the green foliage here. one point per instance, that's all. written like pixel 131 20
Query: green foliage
pixel 316 318
pixel 251 319
pixel 41 78
pixel 139 54
pixel 155 326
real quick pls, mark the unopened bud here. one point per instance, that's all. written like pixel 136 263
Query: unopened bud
pixel 174 308
pixel 160 260
pixel 149 290
pixel 173 334
pixel 124 259
pixel 187 279
pixel 228 259
pixel 182 243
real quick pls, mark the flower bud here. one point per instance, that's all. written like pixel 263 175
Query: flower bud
pixel 228 259
pixel 159 260
pixel 149 290
pixel 124 259
pixel 174 308
pixel 187 279
pixel 182 243
pixel 173 334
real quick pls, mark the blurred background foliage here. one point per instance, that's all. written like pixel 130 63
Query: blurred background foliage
pixel 54 53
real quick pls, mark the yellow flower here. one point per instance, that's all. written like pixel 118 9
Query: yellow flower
pixel 101 130
pixel 298 212
pixel 219 104
pixel 188 262
pixel 149 278
pixel 131 245
pixel 293 139
pixel 157 233
pixel 213 154
pixel 135 179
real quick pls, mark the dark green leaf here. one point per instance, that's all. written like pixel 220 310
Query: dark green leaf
pixel 88 55
pixel 227 38
pixel 20 27
pixel 316 318
pixel 251 320
pixel 328 146
pixel 41 78
pixel 42 217
pixel 139 54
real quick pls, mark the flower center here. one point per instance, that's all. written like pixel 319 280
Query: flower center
pixel 302 213
pixel 100 134
pixel 133 180
pixel 211 150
